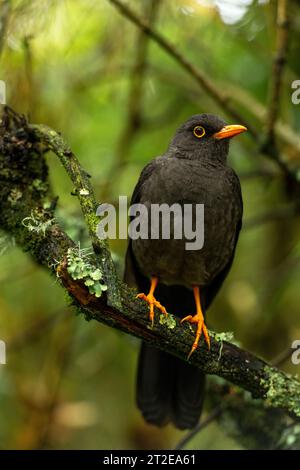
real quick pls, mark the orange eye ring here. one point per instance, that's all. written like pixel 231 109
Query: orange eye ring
pixel 199 132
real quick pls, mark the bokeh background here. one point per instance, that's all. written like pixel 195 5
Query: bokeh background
pixel 117 97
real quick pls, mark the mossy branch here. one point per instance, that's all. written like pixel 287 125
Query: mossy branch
pixel 53 141
pixel 24 193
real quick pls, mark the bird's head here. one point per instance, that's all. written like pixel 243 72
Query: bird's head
pixel 204 136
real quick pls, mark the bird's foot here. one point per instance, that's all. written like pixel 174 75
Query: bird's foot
pixel 151 300
pixel 201 327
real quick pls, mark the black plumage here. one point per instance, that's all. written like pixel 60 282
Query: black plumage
pixel 193 170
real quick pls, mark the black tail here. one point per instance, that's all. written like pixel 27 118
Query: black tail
pixel 168 389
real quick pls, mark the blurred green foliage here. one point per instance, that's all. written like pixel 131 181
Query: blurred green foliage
pixel 68 383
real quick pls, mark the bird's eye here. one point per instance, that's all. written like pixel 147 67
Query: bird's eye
pixel 199 132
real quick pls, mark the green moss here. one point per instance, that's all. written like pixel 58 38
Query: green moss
pixel 167 320
pixel 224 336
pixel 14 196
pixel 93 221
pixel 220 338
pixel 280 391
pixel 40 185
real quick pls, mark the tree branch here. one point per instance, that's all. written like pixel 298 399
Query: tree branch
pixel 204 81
pixel 282 212
pixel 134 119
pixel 224 100
pixel 278 67
pixel 86 196
pixel 216 412
pixel 231 409
pixel 27 214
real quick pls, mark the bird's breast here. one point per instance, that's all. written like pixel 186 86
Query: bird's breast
pixel 187 183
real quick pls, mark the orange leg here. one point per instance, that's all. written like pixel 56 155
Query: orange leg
pixel 151 300
pixel 199 320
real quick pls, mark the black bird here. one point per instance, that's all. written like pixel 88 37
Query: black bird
pixel 192 171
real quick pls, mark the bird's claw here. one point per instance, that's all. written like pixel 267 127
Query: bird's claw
pixel 201 327
pixel 151 300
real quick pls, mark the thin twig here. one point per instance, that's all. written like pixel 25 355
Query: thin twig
pixel 215 413
pixel 282 41
pixel 198 75
pixel 282 357
pixel 61 363
pixel 135 99
pixel 258 173
pixel 137 78
pixel 241 98
pixel 279 213
pixel 29 76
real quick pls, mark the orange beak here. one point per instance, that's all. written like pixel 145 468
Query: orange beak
pixel 229 131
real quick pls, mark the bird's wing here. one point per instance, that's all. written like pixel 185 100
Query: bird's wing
pixel 132 275
pixel 210 291
pixel 146 173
